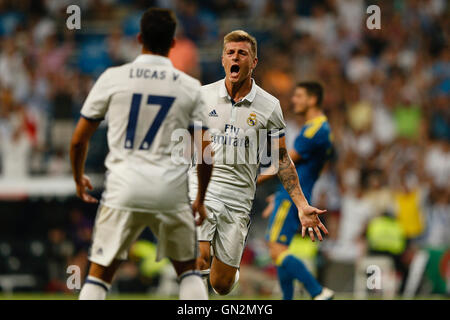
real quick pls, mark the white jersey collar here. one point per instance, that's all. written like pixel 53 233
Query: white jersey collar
pixel 223 93
pixel 153 59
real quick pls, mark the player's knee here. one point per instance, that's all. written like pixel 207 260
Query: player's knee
pixel 184 266
pixel 222 286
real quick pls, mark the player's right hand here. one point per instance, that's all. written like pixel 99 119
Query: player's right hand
pixel 309 218
pixel 200 208
pixel 81 190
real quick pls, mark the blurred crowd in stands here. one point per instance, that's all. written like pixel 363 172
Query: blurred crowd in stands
pixel 387 97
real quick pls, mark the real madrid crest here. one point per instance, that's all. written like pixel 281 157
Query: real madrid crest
pixel 251 120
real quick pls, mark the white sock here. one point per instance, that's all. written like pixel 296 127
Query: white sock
pixel 94 289
pixel 236 280
pixel 192 286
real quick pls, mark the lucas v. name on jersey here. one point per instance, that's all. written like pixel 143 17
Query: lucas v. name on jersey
pixel 150 74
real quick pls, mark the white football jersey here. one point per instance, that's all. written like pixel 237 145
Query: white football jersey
pixel 145 101
pixel 239 132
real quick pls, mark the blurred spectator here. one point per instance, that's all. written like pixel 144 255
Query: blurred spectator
pixel 378 194
pixel 17 134
pixel 189 18
pixel 355 212
pixel 59 251
pixel 385 236
pixel 257 274
pixel 438 219
pixel 12 70
pixel 52 58
pixel 350 16
pixel 80 230
pixel 408 117
pixel 184 55
pixel 437 163
pixel 321 25
pixel 383 125
pixel 359 68
pixel 440 118
pixel 121 49
pixel 147 273
pixel 409 204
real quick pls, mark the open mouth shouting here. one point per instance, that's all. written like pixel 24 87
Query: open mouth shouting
pixel 234 71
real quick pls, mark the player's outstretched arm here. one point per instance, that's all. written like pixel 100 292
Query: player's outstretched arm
pixel 78 152
pixel 288 176
pixel 272 171
pixel 204 171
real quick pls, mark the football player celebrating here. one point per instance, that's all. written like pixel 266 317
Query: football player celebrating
pixel 238 110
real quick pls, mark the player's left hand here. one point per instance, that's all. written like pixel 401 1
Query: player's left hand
pixel 200 208
pixel 81 190
pixel 309 217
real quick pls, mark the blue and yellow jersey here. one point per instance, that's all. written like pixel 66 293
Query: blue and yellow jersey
pixel 314 145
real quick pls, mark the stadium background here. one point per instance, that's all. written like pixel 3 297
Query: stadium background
pixel 387 99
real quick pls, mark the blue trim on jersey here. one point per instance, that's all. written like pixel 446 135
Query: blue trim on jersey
pixel 91 119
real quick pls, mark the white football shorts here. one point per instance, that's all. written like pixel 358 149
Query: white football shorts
pixel 226 230
pixel 115 231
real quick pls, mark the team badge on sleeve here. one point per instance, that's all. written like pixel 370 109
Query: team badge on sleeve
pixel 251 120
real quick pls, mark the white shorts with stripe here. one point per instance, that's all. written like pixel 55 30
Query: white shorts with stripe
pixel 226 230
pixel 115 231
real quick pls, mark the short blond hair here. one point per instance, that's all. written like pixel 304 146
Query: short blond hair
pixel 239 36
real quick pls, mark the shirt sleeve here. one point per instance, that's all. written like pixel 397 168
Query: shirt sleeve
pixel 198 116
pixel 97 102
pixel 276 124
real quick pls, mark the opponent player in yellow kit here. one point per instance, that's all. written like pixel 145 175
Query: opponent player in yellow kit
pixel 312 149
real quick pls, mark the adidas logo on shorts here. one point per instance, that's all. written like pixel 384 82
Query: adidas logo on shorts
pixel 213 113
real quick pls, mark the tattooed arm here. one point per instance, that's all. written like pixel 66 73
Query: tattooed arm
pixel 272 171
pixel 288 176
